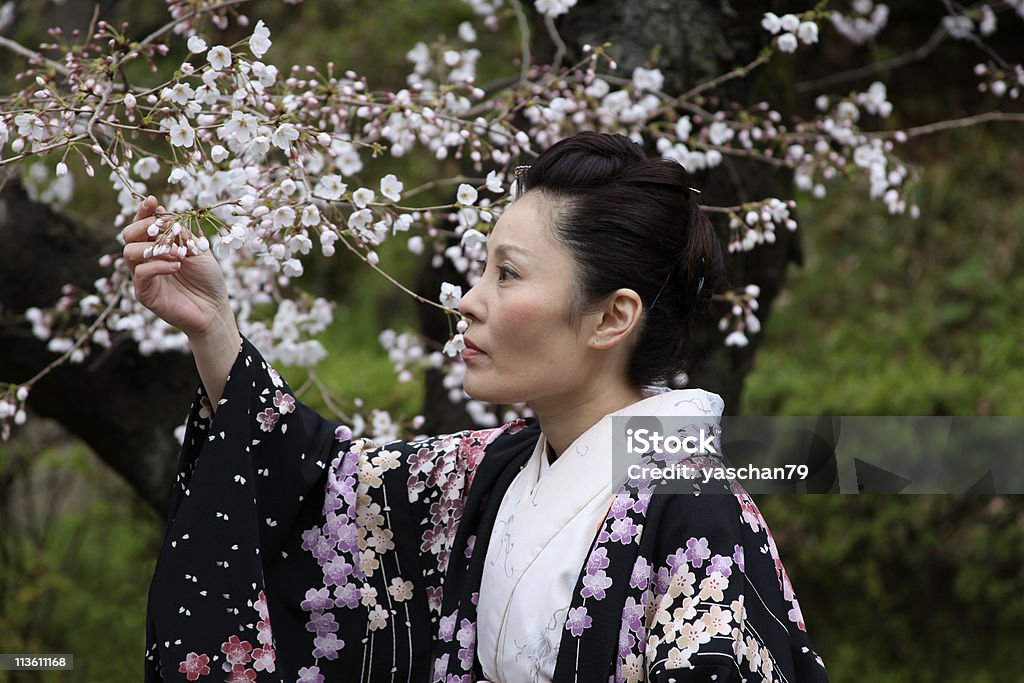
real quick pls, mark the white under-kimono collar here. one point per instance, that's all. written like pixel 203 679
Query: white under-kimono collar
pixel 545 526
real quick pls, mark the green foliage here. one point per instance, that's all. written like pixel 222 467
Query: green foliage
pixel 78 553
pixel 891 316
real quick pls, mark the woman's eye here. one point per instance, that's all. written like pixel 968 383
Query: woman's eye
pixel 505 272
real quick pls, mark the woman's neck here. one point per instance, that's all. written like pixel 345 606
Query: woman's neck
pixel 565 418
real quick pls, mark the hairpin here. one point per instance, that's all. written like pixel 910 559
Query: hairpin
pixel 694 189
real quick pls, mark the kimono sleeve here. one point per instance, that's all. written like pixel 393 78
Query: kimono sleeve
pixel 723 607
pixel 249 477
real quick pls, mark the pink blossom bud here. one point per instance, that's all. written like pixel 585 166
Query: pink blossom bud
pixel 129 101
pixel 182 252
pixel 372 258
pixel 153 229
pixel 147 253
pixel 324 139
pixel 62 169
pixel 22 393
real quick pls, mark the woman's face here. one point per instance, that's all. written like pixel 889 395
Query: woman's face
pixel 519 314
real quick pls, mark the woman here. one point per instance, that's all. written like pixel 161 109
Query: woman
pixel 295 553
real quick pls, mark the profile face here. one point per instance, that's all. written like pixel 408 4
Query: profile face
pixel 519 313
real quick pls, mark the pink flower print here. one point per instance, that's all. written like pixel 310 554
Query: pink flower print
pixel 268 419
pixel 595 584
pixel 620 506
pixel 327 645
pixel 347 595
pixel 578 620
pixel 239 674
pixel 467 639
pixel 322 623
pixel 796 616
pixel 194 666
pixel 440 666
pixel 474 454
pixel 261 606
pixel 641 502
pixel 316 600
pixel 421 461
pixel 623 531
pixel 633 614
pixel 676 559
pixel 310 674
pixel 285 403
pixel 626 641
pixel 336 572
pixel 266 636
pixel 342 433
pixel 263 659
pixel 641 575
pixel 236 651
pixel 697 551
pixel 720 564
pixel 434 596
pixel 275 377
pixel 737 557
pixel 446 628
pixel 598 560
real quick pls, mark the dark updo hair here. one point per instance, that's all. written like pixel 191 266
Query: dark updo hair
pixel 632 222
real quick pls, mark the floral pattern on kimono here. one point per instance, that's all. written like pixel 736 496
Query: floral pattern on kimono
pixel 367 559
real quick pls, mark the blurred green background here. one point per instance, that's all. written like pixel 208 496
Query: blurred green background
pixel 888 316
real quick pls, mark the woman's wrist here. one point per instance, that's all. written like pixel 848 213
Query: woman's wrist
pixel 215 351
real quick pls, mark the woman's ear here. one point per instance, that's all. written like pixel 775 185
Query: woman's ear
pixel 618 318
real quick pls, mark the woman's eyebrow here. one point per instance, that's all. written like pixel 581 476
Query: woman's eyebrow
pixel 503 248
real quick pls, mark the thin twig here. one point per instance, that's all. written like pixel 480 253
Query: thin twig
pixel 915 55
pixel 987 117
pixel 738 72
pixel 560 49
pixel 524 41
pixel 392 280
pixel 88 334
pixel 32 55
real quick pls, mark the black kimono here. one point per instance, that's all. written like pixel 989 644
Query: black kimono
pixel 294 553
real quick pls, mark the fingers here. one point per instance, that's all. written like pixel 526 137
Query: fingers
pixel 146 272
pixel 136 253
pixel 139 230
pixel 146 208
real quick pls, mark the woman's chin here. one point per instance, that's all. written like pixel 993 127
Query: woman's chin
pixel 484 391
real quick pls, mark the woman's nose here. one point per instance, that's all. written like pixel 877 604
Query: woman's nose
pixel 470 306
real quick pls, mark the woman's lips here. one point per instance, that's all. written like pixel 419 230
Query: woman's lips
pixel 472 350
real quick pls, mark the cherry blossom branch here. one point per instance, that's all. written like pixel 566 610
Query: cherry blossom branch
pixel 32 56
pixel 915 55
pixel 967 121
pixel 63 358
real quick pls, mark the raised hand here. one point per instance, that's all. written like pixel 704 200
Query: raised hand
pixel 187 292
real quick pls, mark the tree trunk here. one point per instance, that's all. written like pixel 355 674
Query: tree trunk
pixel 692 41
pixel 124 405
